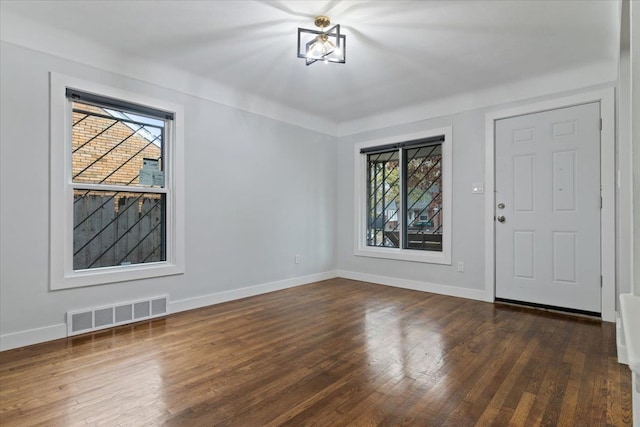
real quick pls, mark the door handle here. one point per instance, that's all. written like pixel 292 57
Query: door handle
pixel 501 218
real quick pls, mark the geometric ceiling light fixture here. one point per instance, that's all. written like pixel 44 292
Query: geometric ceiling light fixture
pixel 326 45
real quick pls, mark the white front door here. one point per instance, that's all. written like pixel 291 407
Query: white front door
pixel 548 208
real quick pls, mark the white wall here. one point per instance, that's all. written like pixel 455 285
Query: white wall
pixel 467 220
pixel 635 136
pixel 468 209
pixel 624 199
pixel 258 191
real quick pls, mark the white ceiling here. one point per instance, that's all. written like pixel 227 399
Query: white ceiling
pixel 400 54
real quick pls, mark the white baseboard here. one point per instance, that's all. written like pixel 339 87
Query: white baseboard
pixel 415 285
pixel 32 336
pixel 54 332
pixel 220 297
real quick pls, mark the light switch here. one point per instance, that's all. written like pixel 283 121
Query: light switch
pixel 477 188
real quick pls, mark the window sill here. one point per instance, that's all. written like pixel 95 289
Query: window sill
pixel 106 275
pixel 404 255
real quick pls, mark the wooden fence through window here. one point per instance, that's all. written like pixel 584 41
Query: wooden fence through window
pixel 117 229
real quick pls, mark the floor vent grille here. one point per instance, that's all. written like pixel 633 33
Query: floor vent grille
pixel 108 316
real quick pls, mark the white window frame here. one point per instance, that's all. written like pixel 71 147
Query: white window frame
pixel 61 272
pixel 360 199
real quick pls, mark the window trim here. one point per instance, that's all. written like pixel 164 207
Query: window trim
pixel 61 273
pixel 360 201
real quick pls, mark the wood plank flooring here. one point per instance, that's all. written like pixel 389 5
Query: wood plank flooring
pixel 332 353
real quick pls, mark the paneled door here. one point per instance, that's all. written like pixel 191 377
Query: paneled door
pixel 548 208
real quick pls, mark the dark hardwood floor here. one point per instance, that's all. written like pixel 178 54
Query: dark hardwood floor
pixel 333 353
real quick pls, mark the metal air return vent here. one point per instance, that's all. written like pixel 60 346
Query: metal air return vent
pixel 108 316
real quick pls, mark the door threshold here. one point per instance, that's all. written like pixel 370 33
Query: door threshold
pixel 550 308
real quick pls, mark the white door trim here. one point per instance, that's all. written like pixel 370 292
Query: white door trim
pixel 606 99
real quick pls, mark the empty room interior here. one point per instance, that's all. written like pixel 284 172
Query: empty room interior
pixel 261 213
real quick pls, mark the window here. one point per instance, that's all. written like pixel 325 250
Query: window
pixel 403 204
pixel 116 181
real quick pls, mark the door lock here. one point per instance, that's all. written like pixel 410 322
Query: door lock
pixel 500 205
pixel 501 218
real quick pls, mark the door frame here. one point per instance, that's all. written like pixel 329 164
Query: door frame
pixel 606 98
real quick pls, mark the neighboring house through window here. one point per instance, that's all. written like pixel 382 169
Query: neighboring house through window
pixel 118 202
pixel 112 149
pixel 403 199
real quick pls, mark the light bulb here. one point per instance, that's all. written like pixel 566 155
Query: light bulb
pixel 315 48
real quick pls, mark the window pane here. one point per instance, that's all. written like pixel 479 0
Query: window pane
pixel 423 188
pixel 116 147
pixel 383 199
pixel 112 228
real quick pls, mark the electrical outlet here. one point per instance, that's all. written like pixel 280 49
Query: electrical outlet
pixel 460 266
pixel 297 259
